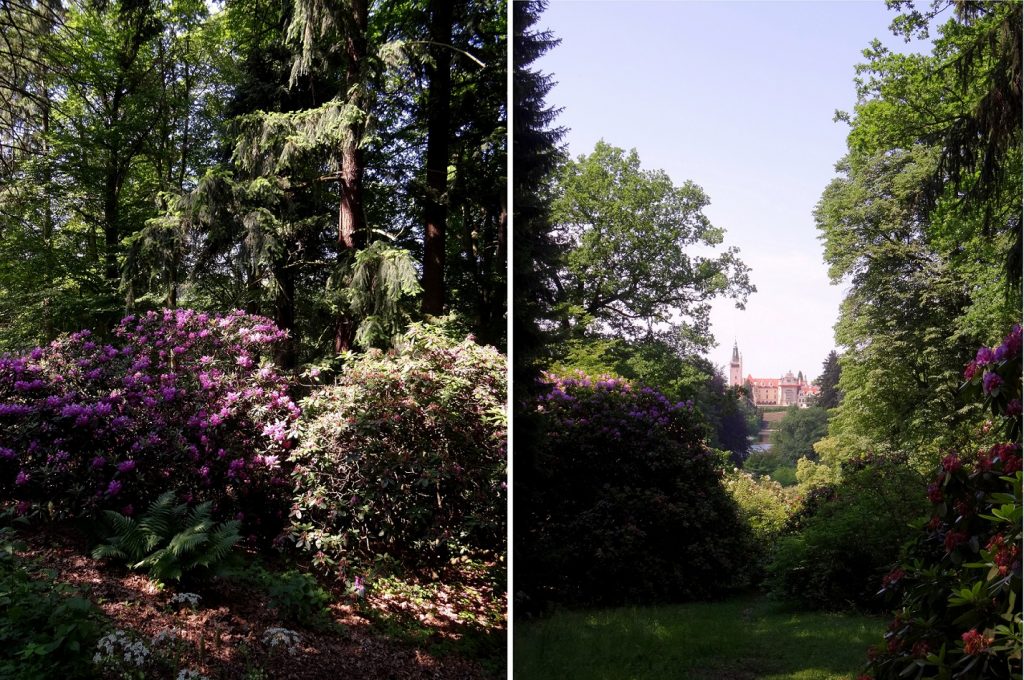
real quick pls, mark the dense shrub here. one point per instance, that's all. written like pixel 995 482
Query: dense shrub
pixel 405 455
pixel 47 629
pixel 630 506
pixel 846 535
pixel 177 400
pixel 957 593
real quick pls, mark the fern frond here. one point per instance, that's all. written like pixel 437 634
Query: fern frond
pixel 222 540
pixel 187 543
pixel 106 551
pixel 199 515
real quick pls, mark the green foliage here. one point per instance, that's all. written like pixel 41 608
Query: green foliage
pixel 383 280
pixel 797 433
pixel 629 234
pixel 47 629
pixel 296 596
pixel 405 455
pixel 846 536
pixel 169 541
pixel 662 365
pixel 924 221
pixel 764 504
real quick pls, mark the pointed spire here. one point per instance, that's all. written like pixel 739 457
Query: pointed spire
pixel 735 352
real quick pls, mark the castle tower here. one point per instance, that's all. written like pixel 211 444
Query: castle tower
pixel 735 367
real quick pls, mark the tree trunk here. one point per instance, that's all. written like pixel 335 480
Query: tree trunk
pixel 111 217
pixel 435 209
pixel 351 217
pixel 285 313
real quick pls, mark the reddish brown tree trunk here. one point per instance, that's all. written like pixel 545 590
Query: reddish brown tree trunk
pixel 435 209
pixel 351 218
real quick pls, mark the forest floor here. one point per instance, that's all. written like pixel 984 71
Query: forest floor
pixel 451 627
pixel 747 638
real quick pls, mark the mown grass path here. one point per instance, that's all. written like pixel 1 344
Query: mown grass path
pixel 750 638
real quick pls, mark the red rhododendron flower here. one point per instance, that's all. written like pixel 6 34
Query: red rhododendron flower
pixel 975 642
pixel 953 539
pixel 951 463
pixel 921 649
pixel 892 577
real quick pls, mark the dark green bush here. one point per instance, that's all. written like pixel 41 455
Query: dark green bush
pixel 47 630
pixel 405 455
pixel 298 597
pixel 846 541
pixel 169 540
pixel 629 504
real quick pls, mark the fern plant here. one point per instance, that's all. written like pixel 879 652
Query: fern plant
pixel 169 540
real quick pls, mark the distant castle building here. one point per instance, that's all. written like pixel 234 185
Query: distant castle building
pixel 788 390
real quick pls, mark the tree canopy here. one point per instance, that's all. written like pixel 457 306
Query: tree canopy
pixel 630 236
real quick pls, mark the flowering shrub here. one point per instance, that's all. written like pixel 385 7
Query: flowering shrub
pixel 957 595
pixel 405 455
pixel 178 400
pixel 629 504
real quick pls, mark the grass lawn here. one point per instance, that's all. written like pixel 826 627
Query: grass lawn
pixel 741 639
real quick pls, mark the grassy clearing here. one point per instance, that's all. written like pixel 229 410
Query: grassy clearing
pixel 748 638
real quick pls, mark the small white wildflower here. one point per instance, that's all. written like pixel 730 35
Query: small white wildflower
pixel 117 644
pixel 191 599
pixel 188 674
pixel 277 637
pixel 165 635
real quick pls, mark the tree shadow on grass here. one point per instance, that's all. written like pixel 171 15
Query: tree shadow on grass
pixel 744 639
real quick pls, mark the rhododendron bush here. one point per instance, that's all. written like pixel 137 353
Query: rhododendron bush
pixel 958 594
pixel 629 504
pixel 405 455
pixel 176 400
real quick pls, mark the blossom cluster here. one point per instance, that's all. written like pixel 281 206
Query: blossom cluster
pixel 284 638
pixel 118 647
pixel 621 406
pixel 174 399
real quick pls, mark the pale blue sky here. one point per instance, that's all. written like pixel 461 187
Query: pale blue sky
pixel 738 97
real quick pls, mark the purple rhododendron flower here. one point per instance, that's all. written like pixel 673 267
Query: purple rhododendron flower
pixel 990 382
pixel 126 466
pixel 985 356
pixel 113 488
pixel 22 478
